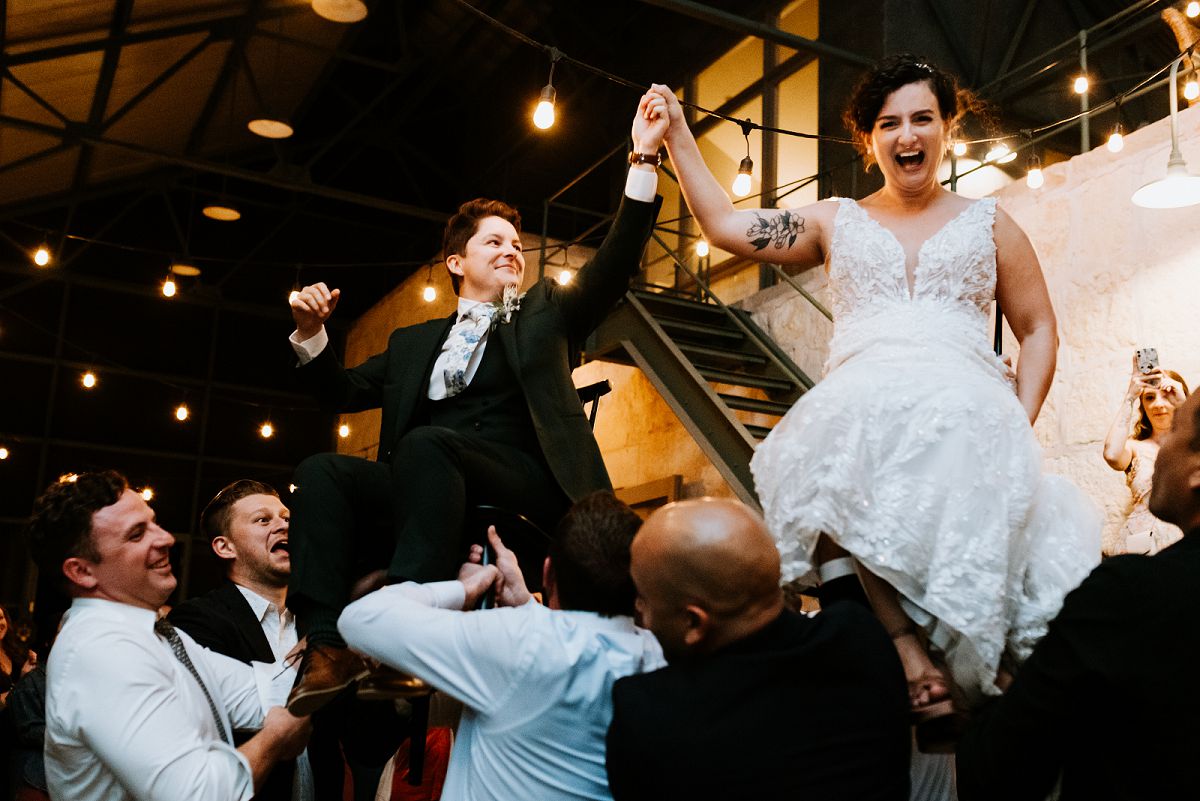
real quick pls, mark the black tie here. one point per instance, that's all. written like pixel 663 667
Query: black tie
pixel 165 630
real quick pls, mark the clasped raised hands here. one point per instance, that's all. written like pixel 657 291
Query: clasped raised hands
pixel 649 123
pixel 505 575
pixel 311 307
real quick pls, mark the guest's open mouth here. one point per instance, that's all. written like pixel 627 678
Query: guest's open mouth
pixel 911 158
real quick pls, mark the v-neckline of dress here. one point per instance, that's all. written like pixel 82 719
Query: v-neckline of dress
pixel 911 284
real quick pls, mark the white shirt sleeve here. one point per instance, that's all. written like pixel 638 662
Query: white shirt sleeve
pixel 641 185
pixel 309 349
pixel 476 657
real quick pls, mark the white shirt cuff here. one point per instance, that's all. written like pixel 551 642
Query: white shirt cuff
pixel 641 185
pixel 438 594
pixel 309 349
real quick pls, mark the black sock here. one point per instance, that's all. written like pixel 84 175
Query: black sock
pixel 318 625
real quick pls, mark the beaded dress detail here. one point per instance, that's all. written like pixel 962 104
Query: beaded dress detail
pixel 914 454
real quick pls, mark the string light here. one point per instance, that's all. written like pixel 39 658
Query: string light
pixel 702 248
pixel 291 487
pixel 41 256
pixel 182 412
pixel 1192 10
pixel 429 293
pixel 1116 141
pixel 1000 154
pixel 543 114
pixel 1191 89
pixel 564 277
pixel 3 453
pixel 1034 178
pixel 741 182
pixel 343 11
pixel 147 494
pixel 88 379
pixel 1081 85
pixel 343 431
pixel 960 149
pixel 266 431
pixel 168 287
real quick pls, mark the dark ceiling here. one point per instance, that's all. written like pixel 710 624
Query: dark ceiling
pixel 119 120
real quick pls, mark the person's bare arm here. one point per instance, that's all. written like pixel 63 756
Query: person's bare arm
pixel 283 736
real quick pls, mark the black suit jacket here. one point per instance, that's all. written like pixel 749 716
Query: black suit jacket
pixel 542 344
pixel 805 708
pixel 1109 698
pixel 223 621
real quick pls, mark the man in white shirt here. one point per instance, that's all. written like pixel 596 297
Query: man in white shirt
pixel 536 681
pixel 477 408
pixel 134 708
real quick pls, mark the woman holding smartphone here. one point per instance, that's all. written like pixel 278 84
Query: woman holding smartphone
pixel 1143 419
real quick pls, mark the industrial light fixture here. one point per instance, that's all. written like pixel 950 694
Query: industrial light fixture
pixel 429 293
pixel 702 247
pixel 1178 188
pixel 1034 178
pixel 221 210
pixel 343 11
pixel 741 182
pixel 543 114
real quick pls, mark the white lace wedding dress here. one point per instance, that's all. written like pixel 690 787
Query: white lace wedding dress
pixel 914 454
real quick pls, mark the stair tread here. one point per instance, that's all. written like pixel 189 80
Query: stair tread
pixel 758 432
pixel 744 379
pixel 676 324
pixel 722 353
pixel 760 405
pixel 694 306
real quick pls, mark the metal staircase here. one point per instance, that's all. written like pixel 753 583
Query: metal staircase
pixel 725 379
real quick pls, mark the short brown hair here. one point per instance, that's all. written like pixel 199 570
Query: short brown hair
pixel 463 225
pixel 214 520
pixel 589 556
pixel 61 524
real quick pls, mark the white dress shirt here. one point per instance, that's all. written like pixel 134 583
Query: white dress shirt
pixel 639 185
pixel 126 720
pixel 279 626
pixel 536 684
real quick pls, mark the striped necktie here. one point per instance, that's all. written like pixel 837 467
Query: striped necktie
pixel 165 630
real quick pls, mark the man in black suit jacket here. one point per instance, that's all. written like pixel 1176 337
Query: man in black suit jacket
pixel 1108 702
pixel 246 618
pixel 757 701
pixel 504 427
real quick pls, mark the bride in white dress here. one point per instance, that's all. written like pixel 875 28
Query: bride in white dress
pixel 915 453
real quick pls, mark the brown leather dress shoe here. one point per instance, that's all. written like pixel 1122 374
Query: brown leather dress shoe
pixel 386 684
pixel 324 672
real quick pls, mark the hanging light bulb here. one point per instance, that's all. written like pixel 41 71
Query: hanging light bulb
pixel 88 380
pixel 41 256
pixel 147 494
pixel 182 412
pixel 960 148
pixel 702 247
pixel 741 184
pixel 343 431
pixel 543 115
pixel 1034 178
pixel 1191 89
pixel 1081 84
pixel 1000 154
pixel 266 430
pixel 564 277
pixel 3 453
pixel 429 293
pixel 343 11
pixel 1178 188
pixel 1192 10
pixel 168 287
pixel 1116 141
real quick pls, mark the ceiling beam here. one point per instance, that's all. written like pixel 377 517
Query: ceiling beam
pixel 769 33
pixel 242 28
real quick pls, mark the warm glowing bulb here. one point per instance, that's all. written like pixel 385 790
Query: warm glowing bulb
pixel 1034 179
pixel 3 453
pixel 147 494
pixel 291 487
pixel 182 412
pixel 1116 142
pixel 429 294
pixel 741 184
pixel 564 277
pixel 41 256
pixel 960 148
pixel 295 293
pixel 702 248
pixel 1000 154
pixel 89 379
pixel 343 431
pixel 543 115
pixel 1193 9
pixel 68 478
pixel 1191 89
pixel 168 288
pixel 1081 84
pixel 267 430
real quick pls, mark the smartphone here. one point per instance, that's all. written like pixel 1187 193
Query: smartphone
pixel 1147 360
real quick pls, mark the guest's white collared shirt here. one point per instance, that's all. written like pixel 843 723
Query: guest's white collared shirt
pixel 126 720
pixel 536 684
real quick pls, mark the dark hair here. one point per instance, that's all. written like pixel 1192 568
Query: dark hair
pixel 214 520
pixel 61 524
pixel 1142 429
pixel 463 225
pixel 889 75
pixel 589 556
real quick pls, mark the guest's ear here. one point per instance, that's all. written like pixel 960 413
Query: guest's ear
pixel 454 264
pixel 79 572
pixel 698 625
pixel 223 547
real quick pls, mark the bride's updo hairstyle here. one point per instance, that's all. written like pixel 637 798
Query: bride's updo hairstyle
pixel 889 75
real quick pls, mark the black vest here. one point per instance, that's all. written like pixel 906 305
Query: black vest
pixel 493 405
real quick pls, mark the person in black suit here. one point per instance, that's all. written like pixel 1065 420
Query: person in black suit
pixel 478 408
pixel 1108 702
pixel 757 701
pixel 246 617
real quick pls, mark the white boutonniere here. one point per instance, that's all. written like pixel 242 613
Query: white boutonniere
pixel 509 302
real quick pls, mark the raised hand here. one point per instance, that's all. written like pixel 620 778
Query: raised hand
pixel 512 590
pixel 311 307
pixel 649 123
pixel 674 110
pixel 476 580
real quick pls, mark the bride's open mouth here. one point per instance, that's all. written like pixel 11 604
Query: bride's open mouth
pixel 912 158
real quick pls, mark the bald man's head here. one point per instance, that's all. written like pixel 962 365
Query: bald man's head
pixel 707 574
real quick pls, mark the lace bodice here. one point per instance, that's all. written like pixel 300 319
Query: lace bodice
pixel 955 267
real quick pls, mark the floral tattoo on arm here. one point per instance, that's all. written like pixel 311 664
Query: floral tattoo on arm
pixel 780 230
